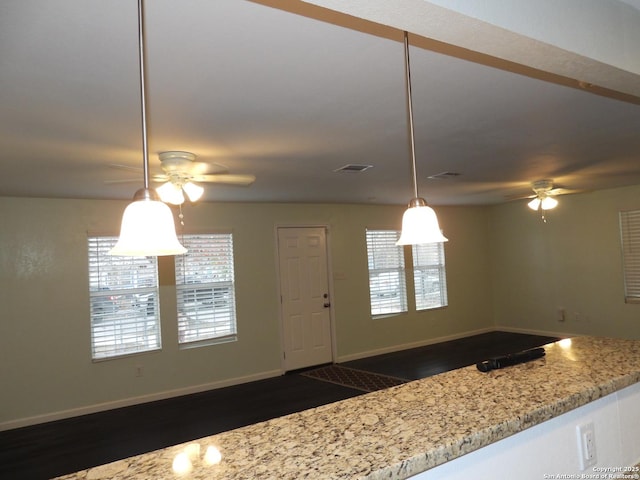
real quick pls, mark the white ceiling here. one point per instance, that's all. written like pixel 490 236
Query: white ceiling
pixel 291 97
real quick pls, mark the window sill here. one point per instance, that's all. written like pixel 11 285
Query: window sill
pixel 208 342
pixel 387 315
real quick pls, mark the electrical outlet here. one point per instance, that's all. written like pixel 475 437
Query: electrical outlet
pixel 586 445
pixel 139 370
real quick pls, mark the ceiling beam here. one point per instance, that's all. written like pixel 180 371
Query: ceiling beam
pixel 458 34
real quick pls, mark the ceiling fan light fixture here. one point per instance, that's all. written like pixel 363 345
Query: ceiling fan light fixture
pixel 170 193
pixel 147 227
pixel 193 191
pixel 419 222
pixel 548 203
pixel 534 204
pixel 544 203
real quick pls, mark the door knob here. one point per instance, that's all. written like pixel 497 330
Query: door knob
pixel 327 305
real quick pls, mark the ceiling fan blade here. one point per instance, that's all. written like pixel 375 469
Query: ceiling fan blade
pixel 518 197
pixel 160 177
pixel 563 191
pixel 230 179
pixel 203 168
pixel 125 167
pixel 124 180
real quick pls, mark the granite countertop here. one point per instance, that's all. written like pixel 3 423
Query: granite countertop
pixel 401 431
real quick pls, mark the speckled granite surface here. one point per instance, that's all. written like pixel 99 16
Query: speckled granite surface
pixel 401 431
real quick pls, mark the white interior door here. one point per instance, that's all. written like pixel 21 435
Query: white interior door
pixel 304 289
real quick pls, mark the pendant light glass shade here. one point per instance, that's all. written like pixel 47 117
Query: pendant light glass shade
pixel 147 229
pixel 420 225
pixel 419 222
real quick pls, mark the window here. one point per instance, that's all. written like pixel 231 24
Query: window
pixel 630 235
pixel 429 276
pixel 123 293
pixel 387 276
pixel 387 287
pixel 205 289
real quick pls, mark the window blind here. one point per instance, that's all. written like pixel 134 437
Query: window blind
pixel 630 236
pixel 205 288
pixel 387 287
pixel 429 276
pixel 123 293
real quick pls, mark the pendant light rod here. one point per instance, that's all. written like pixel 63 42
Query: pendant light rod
pixel 412 143
pixel 143 103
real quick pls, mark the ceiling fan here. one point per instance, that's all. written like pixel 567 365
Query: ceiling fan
pixel 543 195
pixel 180 171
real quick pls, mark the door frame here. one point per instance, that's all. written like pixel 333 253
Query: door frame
pixel 332 326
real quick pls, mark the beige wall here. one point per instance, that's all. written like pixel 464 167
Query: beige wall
pixel 505 268
pixel 45 359
pixel 571 262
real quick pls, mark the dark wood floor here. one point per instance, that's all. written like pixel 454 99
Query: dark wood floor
pixel 65 446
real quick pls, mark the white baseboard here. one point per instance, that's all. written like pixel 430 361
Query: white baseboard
pixel 529 331
pixel 127 402
pixel 406 346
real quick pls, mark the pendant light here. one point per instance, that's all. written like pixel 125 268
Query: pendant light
pixel 147 226
pixel 419 222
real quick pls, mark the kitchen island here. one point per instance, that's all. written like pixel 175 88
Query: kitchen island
pixel 409 429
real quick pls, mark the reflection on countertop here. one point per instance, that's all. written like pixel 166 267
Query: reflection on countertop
pixel 401 431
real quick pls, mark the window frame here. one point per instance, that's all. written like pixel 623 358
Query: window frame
pixel 380 244
pixel 212 301
pixel 123 299
pixel 630 250
pixel 436 264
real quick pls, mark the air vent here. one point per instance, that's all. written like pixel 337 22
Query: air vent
pixel 444 175
pixel 353 168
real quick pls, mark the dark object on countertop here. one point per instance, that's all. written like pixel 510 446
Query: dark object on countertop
pixel 511 359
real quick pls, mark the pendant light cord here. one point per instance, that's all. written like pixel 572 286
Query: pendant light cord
pixel 412 144
pixel 143 103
